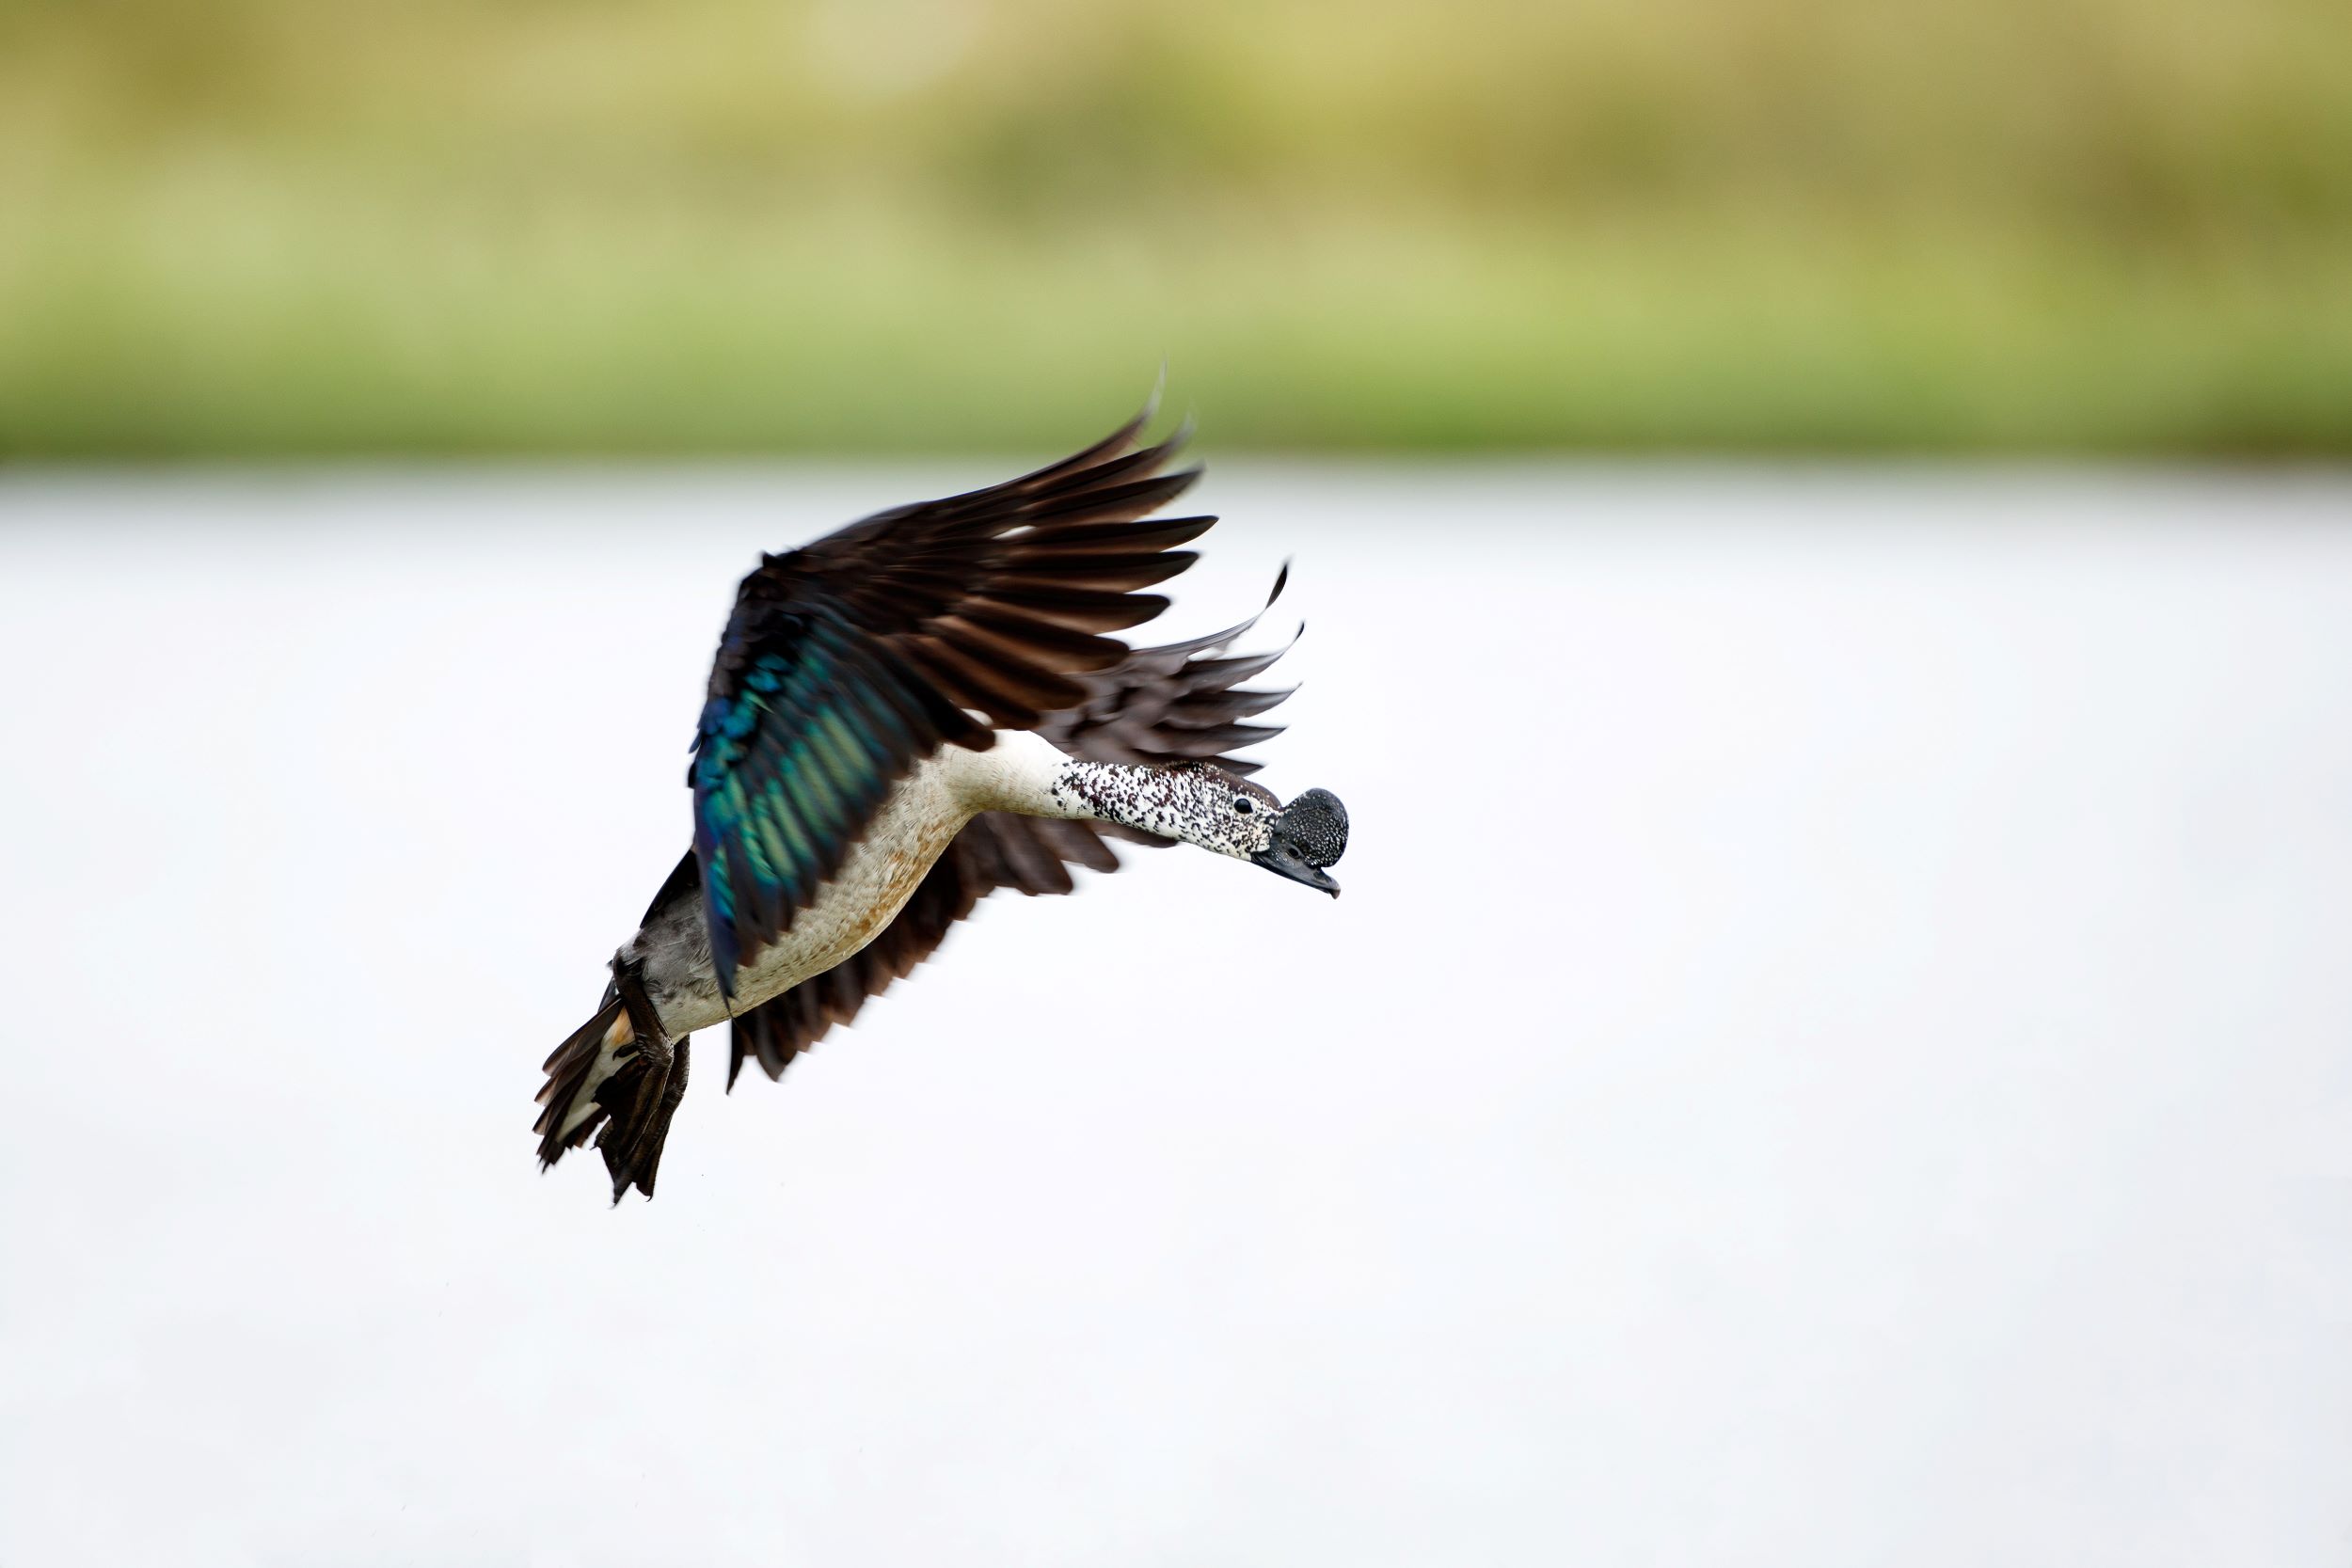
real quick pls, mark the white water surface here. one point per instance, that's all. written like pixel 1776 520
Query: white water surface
pixel 1837 1049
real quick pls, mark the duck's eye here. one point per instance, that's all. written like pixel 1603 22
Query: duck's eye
pixel 1241 805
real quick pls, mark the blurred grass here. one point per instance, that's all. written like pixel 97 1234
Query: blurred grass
pixel 329 227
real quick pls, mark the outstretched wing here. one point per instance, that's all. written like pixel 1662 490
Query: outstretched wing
pixel 1182 700
pixel 848 661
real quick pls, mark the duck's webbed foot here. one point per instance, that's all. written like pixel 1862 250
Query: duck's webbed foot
pixel 647 1081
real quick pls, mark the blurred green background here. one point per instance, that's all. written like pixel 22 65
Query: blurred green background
pixel 353 227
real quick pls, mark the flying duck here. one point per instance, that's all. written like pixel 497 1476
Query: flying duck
pixel 903 717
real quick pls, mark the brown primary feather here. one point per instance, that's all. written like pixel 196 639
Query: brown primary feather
pixel 1126 538
pixel 1081 609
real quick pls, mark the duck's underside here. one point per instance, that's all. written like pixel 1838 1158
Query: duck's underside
pixel 918 820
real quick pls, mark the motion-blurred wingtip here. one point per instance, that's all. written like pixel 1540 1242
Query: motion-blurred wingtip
pixel 1152 404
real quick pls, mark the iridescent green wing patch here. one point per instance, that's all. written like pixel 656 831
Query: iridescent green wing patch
pixel 807 727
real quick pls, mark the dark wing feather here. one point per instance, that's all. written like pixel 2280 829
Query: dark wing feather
pixel 1178 703
pixel 848 661
pixel 1162 704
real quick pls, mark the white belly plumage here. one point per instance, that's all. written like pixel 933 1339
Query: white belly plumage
pixel 912 829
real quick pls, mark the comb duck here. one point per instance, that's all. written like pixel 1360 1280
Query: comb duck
pixel 904 717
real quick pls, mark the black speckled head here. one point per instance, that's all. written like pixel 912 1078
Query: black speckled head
pixel 1316 825
pixel 1310 834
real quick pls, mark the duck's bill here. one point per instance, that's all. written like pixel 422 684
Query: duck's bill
pixel 1285 861
pixel 1310 834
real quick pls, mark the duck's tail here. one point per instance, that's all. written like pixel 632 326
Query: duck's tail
pixel 618 1078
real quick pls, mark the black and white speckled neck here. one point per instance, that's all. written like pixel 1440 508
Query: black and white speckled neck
pixel 1193 802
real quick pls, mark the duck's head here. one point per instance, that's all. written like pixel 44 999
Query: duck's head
pixel 1305 836
pixel 1203 804
pixel 1249 822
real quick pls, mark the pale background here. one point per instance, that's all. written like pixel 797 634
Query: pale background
pixel 1837 1049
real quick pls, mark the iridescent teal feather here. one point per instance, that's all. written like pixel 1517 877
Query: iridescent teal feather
pixel 796 751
